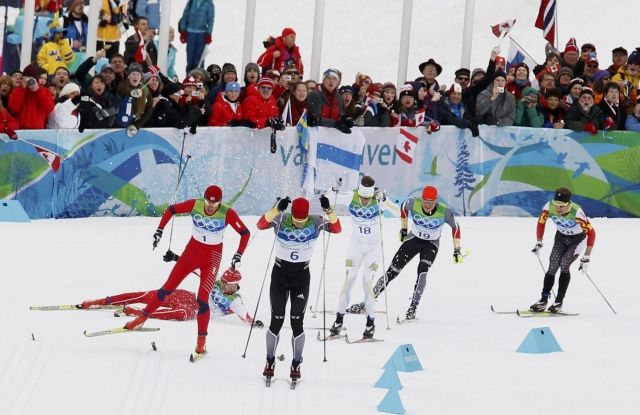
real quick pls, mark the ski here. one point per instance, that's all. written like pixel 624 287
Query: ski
pixel 194 357
pixel 293 383
pixel 330 337
pixel 65 307
pixel 347 312
pixel 117 330
pixel 529 313
pixel 362 340
pixel 267 381
pixel 401 321
pixel 502 312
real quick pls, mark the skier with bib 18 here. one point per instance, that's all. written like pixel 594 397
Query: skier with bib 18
pixel 574 234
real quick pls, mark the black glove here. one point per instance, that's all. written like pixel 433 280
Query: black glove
pixel 324 203
pixel 474 129
pixel 283 204
pixel 403 234
pixel 276 123
pixel 192 129
pixel 170 256
pixel 344 125
pixel 312 120
pixel 234 123
pixel 536 249
pixel 248 124
pixel 156 238
pixel 235 261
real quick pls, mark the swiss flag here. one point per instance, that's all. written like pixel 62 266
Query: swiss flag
pixel 406 146
pixel 52 158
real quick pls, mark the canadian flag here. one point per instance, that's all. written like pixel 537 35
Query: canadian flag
pixel 503 27
pixel 141 51
pixel 52 158
pixel 406 146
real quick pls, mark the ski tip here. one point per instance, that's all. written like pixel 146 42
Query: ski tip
pixel 517 312
pixel 33 337
pixel 153 346
pixel 492 309
pixel 191 358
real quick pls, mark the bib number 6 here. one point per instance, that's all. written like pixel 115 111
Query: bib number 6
pixel 295 255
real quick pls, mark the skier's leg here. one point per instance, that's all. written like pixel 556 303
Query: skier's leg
pixel 406 252
pixel 570 255
pixel 372 261
pixel 278 295
pixel 353 262
pixel 427 257
pixel 299 296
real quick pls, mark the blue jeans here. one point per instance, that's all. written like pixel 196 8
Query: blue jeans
pixel 195 48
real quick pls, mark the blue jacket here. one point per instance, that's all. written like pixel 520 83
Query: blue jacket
pixel 632 123
pixel 151 10
pixel 171 60
pixel 198 17
pixel 72 29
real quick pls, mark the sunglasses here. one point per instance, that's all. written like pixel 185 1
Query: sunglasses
pixel 558 203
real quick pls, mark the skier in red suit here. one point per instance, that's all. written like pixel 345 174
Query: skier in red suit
pixel 203 251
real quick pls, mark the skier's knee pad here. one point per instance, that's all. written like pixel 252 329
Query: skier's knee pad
pixel 296 324
pixel 423 266
pixel 203 307
pixel 162 294
pixel 276 323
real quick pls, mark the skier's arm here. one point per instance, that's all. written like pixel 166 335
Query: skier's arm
pixel 237 307
pixel 267 220
pixel 183 207
pixel 404 214
pixel 542 220
pixel 455 228
pixel 236 223
pixel 587 228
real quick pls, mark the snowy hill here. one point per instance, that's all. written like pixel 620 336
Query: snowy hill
pixel 468 353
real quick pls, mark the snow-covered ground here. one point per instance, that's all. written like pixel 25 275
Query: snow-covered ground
pixel 468 353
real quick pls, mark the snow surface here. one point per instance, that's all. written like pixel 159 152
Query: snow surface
pixel 468 353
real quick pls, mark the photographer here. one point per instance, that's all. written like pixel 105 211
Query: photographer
pixel 96 107
pixel 528 113
pixel 30 102
pixel 195 95
pixel 495 105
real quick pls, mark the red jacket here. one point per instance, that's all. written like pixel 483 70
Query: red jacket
pixel 259 110
pixel 32 108
pixel 223 112
pixel 267 61
pixel 7 121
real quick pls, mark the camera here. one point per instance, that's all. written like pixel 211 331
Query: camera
pixel 199 85
pixel 286 78
pixel 500 89
pixel 31 82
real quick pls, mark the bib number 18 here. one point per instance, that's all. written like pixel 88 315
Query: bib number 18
pixel 364 230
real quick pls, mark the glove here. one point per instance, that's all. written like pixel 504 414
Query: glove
pixel 336 187
pixel 380 196
pixel 170 256
pixel 183 37
pixel 584 264
pixel 590 127
pixel 312 120
pixel 156 238
pixel 475 132
pixel 248 124
pixel 208 39
pixel 608 123
pixel 536 249
pixel 433 127
pixel 235 261
pixel 496 50
pixel 131 130
pixel 403 234
pixel 12 133
pixel 457 256
pixel 193 129
pixel 283 204
pixel 234 123
pixel 344 125
pixel 324 203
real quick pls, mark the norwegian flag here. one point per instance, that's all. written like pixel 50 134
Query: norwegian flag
pixel 503 28
pixel 52 158
pixel 547 20
pixel 406 146
pixel 141 52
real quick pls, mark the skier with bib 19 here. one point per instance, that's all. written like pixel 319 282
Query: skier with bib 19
pixel 574 234
pixel 203 251
pixel 296 234
pixel 428 217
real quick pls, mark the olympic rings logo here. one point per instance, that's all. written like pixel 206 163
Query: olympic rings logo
pixel 428 223
pixel 300 235
pixel 563 222
pixel 218 297
pixel 209 224
pixel 367 212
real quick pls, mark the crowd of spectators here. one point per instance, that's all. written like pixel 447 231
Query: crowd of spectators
pixel 572 89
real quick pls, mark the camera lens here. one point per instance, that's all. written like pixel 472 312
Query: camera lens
pixel 31 82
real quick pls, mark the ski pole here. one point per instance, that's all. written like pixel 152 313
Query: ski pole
pixel 180 172
pixel 599 292
pixel 544 271
pixel 384 270
pixel 266 271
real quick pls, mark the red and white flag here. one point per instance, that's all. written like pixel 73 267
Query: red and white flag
pixel 406 146
pixel 503 27
pixel 141 52
pixel 547 20
pixel 52 158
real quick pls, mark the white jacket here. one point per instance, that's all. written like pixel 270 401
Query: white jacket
pixel 63 116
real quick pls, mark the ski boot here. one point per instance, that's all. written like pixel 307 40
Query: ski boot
pixel 540 305
pixel 269 367
pixel 201 347
pixel 556 307
pixel 136 323
pixel 295 369
pixel 411 312
pixel 369 330
pixel 90 303
pixel 337 325
pixel 356 308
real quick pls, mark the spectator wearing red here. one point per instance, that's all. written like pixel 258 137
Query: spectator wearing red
pixel 31 102
pixel 326 106
pixel 251 77
pixel 298 102
pixel 570 56
pixel 409 116
pixel 8 124
pixel 6 86
pixel 260 108
pixel 520 81
pixel 282 53
pixel 551 65
pixel 227 111
pixel 586 116
pixel 553 111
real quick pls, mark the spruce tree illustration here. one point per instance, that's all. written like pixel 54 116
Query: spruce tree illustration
pixel 464 177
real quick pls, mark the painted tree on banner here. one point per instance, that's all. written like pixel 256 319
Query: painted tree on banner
pixel 464 177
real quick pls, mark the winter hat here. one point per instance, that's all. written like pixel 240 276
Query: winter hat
pixel 601 74
pixel 552 54
pixel 171 88
pixel 634 58
pixel 430 62
pixel 135 67
pixel 288 31
pixel 147 77
pixel 571 46
pixel 553 92
pixel 500 60
pixel 525 66
pixel 477 71
pixel 101 63
pixel 429 193
pixel 346 88
pixel 499 74
pixel 455 87
pixel 69 89
pixel 32 71
pixel 530 91
pixel 189 81
pixel 252 66
pixel 587 90
pixel 264 81
pixel 200 73
pixel 213 194
pixel 231 276
pixel 332 72
pixel 562 195
pixel 565 70
pixel 575 81
pixel 588 46
pixel 228 67
pixel 388 86
pixel 462 72
pixel 232 87
pixel 620 50
pixel 300 209
pixel 56 29
pixel 406 90
pixel 214 69
pixel 374 88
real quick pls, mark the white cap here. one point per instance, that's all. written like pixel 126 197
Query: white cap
pixel 366 191
pixel 69 88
